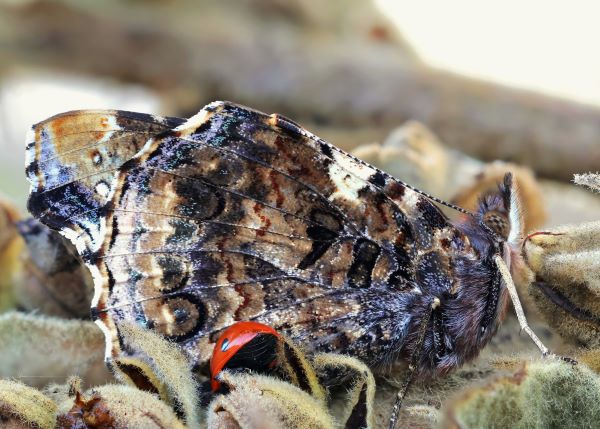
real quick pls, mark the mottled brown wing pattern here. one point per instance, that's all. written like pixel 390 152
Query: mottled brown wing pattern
pixel 237 215
pixel 71 161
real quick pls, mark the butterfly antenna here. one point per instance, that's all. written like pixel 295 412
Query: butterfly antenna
pixel 440 201
pixel 418 191
pixel 291 125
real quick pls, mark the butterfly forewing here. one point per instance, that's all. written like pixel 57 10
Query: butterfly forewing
pixel 71 163
pixel 237 215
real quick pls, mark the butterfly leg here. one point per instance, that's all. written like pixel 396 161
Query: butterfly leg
pixel 512 290
pixel 413 365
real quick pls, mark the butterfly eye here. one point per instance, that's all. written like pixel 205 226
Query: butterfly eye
pixel 224 345
pixel 498 223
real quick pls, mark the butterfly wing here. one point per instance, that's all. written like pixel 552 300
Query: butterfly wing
pixel 237 215
pixel 71 160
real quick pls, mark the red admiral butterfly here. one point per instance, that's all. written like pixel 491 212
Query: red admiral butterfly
pixel 191 225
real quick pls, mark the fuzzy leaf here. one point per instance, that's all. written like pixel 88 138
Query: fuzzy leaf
pixel 40 349
pixel 566 290
pixel 261 402
pixel 540 395
pixel 156 365
pixel 22 406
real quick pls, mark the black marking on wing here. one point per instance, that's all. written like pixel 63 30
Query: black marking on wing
pixel 378 179
pixel 323 236
pixel 201 320
pixel 364 257
pixel 326 149
pixel 174 273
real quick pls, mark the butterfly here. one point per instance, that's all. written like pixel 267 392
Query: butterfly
pixel 189 226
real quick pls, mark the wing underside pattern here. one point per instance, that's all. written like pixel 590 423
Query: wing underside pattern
pixel 189 226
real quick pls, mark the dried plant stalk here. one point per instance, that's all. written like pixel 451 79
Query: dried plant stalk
pixel 591 180
pixel 117 407
pixel 355 71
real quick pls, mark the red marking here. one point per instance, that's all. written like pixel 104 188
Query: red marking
pixel 279 144
pixel 240 290
pixel 237 336
pixel 98 135
pixel 330 275
pixel 58 126
pixel 229 271
pixel 399 241
pixel 276 188
pixel 264 219
pixel 445 243
pixel 295 166
pixel 395 191
pixel 382 213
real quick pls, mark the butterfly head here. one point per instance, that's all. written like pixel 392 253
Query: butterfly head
pixel 500 212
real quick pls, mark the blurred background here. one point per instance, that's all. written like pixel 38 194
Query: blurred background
pixel 435 92
pixel 517 81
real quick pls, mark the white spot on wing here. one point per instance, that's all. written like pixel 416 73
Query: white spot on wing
pixel 348 176
pixel 357 169
pixel 112 126
pixel 30 152
pixel 347 185
pixel 199 118
pixel 80 243
pixel 147 147
pixel 410 200
pixel 30 157
pixel 168 318
pixel 159 119
pixel 102 189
